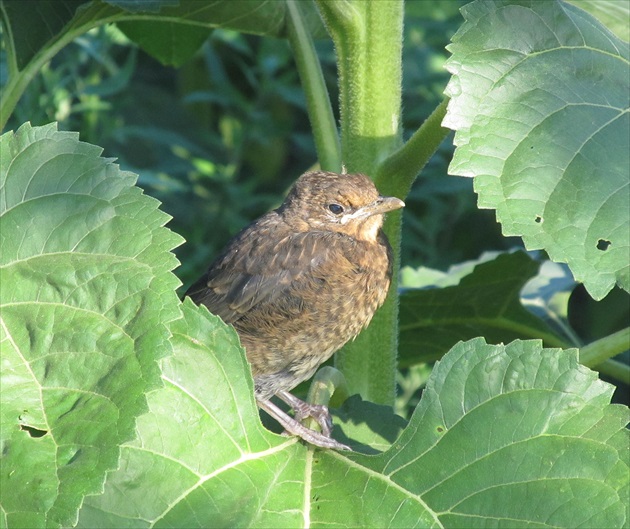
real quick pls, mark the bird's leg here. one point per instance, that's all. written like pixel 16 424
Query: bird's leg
pixel 302 410
pixel 296 428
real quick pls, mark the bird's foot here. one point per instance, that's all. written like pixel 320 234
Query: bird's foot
pixel 303 410
pixel 293 427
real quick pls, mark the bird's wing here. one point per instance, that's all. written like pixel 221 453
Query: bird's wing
pixel 257 268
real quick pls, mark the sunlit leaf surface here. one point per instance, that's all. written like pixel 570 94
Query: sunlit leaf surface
pixel 539 99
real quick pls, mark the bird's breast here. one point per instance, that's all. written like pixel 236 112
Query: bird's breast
pixel 324 307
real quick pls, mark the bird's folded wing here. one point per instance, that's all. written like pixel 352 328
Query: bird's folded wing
pixel 261 272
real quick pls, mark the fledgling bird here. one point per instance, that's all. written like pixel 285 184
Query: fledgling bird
pixel 300 282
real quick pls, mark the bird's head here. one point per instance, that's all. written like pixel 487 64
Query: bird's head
pixel 345 203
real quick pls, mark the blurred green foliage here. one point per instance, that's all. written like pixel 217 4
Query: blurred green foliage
pixel 219 140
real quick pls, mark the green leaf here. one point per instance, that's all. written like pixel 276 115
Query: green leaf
pixel 149 23
pixel 367 427
pixel 44 20
pixel 539 100
pixel 514 436
pixel 485 302
pixel 142 6
pixel 514 432
pixel 34 35
pixel 547 296
pixel 612 13
pixel 224 469
pixel 169 42
pixel 424 277
pixel 203 432
pixel 87 292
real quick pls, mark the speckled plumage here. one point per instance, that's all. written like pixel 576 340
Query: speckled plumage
pixel 302 280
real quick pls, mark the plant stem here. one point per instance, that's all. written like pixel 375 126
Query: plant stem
pixel 600 350
pixel 397 173
pixel 328 386
pixel 368 42
pixel 615 369
pixel 317 99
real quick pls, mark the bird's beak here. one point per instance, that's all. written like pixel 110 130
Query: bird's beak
pixel 378 207
pixel 382 205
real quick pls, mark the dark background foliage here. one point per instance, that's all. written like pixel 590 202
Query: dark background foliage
pixel 219 140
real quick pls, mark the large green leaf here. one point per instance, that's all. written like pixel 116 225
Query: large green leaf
pixel 86 296
pixel 224 469
pixel 474 299
pixel 169 42
pixel 612 13
pixel 539 99
pixel 510 436
pixel 514 436
pixel 171 30
pixel 44 19
pixel 174 35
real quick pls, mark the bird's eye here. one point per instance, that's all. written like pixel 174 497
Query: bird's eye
pixel 335 208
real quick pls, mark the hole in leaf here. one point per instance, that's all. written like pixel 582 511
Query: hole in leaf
pixel 33 432
pixel 538 219
pixel 603 245
pixel 439 429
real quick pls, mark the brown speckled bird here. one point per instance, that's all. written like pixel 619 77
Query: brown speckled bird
pixel 301 281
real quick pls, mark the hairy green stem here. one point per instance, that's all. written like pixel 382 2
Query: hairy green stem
pixel 368 43
pixel 397 173
pixel 317 99
pixel 600 350
pixel 328 387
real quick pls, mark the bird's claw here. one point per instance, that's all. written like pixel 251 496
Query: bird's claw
pixel 303 410
pixel 294 427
